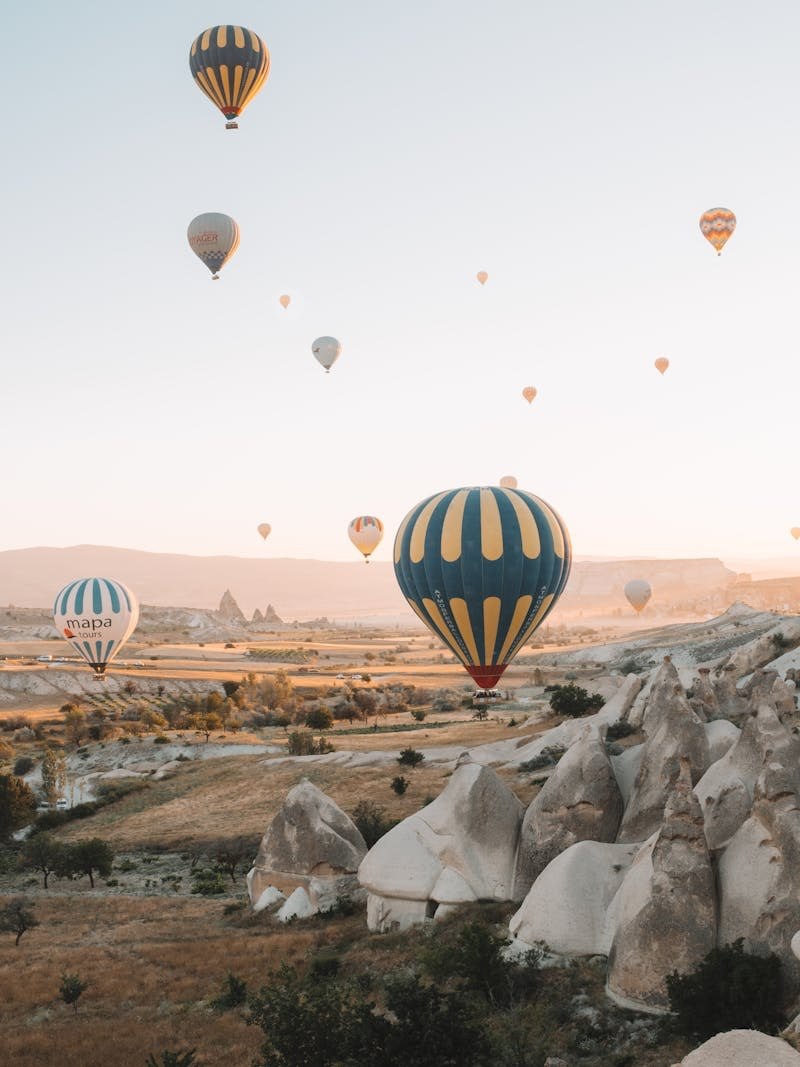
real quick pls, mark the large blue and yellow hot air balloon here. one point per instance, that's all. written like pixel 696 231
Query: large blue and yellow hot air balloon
pixel 230 64
pixel 482 568
pixel 96 616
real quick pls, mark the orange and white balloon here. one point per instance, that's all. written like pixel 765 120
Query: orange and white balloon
pixel 661 364
pixel 284 300
pixel 717 225
pixel 529 392
pixel 366 533
pixel 482 277
pixel 508 481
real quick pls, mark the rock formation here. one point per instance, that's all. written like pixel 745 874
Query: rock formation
pixel 743 1048
pixel 580 801
pixel 459 848
pixel 257 619
pixel 664 915
pixel 229 610
pixel 704 699
pixel 272 618
pixel 311 844
pixel 730 704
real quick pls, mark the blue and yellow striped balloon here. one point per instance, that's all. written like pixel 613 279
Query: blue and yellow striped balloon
pixel 482 568
pixel 230 65
pixel 96 616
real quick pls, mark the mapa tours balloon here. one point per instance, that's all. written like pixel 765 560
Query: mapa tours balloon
pixel 661 364
pixel 482 568
pixel 327 350
pixel 264 529
pixel 717 225
pixel 529 393
pixel 96 616
pixel 213 238
pixel 638 592
pixel 795 532
pixel 366 533
pixel 285 300
pixel 508 481
pixel 230 64
pixel 482 277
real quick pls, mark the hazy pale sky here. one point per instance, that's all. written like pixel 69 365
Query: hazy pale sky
pixel 568 148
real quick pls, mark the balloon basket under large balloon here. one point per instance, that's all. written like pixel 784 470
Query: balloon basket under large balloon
pixel 214 277
pixel 231 125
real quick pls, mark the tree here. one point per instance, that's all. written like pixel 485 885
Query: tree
pixel 366 703
pixel 319 718
pixel 54 774
pixel 17 805
pixel 43 853
pixel 204 722
pixel 16 917
pixel 371 821
pixel 71 988
pixel 410 757
pixel 399 784
pixel 75 725
pixel 230 854
pixel 573 700
pixel 86 857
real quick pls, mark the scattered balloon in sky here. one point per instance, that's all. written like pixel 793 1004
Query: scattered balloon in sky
pixel 508 481
pixel 230 64
pixel 638 592
pixel 327 350
pixel 366 533
pixel 795 532
pixel 482 277
pixel 264 529
pixel 661 364
pixel 285 300
pixel 482 568
pixel 96 616
pixel 213 238
pixel 529 393
pixel 717 224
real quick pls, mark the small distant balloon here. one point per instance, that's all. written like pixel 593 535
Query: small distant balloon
pixel 638 592
pixel 213 238
pixel 529 393
pixel 327 350
pixel 264 529
pixel 661 364
pixel 230 65
pixel 482 277
pixel 285 300
pixel 508 481
pixel 717 225
pixel 795 532
pixel 366 533
pixel 96 616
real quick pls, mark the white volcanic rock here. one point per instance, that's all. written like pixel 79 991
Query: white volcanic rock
pixel 310 838
pixel 730 704
pixel 626 767
pixel 761 651
pixel 664 914
pixel 580 801
pixel 722 736
pixel 704 699
pixel 743 1048
pixel 567 904
pixel 297 906
pixel 268 898
pixel 471 830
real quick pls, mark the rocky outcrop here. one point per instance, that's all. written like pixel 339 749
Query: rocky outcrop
pixel 664 915
pixel 674 732
pixel 757 653
pixel 568 903
pixel 743 1048
pixel 759 872
pixel 229 610
pixel 580 801
pixel 461 847
pixel 257 619
pixel 704 700
pixel 312 844
pixel 730 704
pixel 272 618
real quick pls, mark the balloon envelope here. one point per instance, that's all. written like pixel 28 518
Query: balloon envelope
pixel 285 300
pixel 482 277
pixel 96 616
pixel 717 224
pixel 366 533
pixel 214 238
pixel 795 532
pixel 508 481
pixel 638 592
pixel 230 65
pixel 661 364
pixel 529 393
pixel 264 529
pixel 482 568
pixel 327 350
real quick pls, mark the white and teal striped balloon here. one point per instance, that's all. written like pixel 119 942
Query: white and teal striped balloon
pixel 96 616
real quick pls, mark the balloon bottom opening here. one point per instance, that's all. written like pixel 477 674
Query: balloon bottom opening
pixel 486 676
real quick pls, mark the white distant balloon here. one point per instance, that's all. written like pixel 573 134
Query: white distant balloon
pixel 96 616
pixel 213 238
pixel 327 350
pixel 638 592
pixel 264 529
pixel 508 481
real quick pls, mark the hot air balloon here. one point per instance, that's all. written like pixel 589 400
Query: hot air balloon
pixel 482 277
pixel 96 616
pixel 230 64
pixel 661 364
pixel 638 592
pixel 327 350
pixel 508 481
pixel 264 529
pixel 482 568
pixel 717 224
pixel 285 300
pixel 366 533
pixel 795 532
pixel 529 393
pixel 214 238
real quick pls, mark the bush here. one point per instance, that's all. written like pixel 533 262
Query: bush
pixel 548 757
pixel 233 995
pixel 619 729
pixel 372 821
pixel 730 990
pixel 172 1059
pixel 302 743
pixel 161 739
pixel 573 701
pixel 208 882
pixel 319 718
pixel 399 784
pixel 418 714
pixel 410 757
pixel 22 765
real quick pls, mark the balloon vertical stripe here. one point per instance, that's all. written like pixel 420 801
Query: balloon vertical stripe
pixel 96 616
